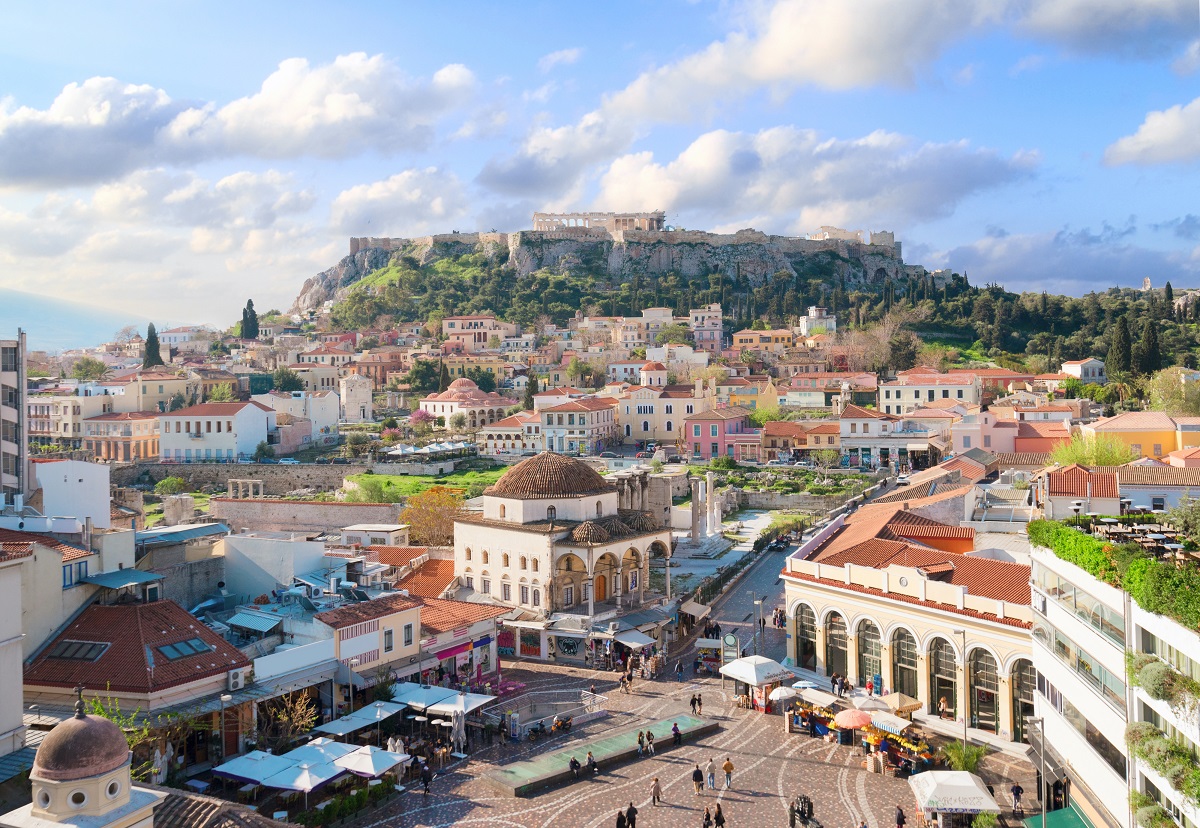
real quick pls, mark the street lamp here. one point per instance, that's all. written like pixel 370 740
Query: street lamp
pixel 1075 507
pixel 1041 725
pixel 758 630
pixel 353 663
pixel 966 683
pixel 225 699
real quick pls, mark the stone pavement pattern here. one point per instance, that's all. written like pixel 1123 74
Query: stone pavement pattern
pixel 771 768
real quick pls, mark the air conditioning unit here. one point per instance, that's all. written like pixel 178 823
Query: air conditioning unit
pixel 613 626
pixel 237 679
pixel 315 592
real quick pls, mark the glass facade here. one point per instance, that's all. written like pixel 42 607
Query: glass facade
pixel 943 681
pixel 836 658
pixel 806 637
pixel 983 685
pixel 904 663
pixel 1091 610
pixel 1110 687
pixel 870 662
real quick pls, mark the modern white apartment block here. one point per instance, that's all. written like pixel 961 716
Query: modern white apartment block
pixel 216 432
pixel 13 442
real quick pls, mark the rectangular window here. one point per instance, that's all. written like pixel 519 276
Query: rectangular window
pixel 387 641
pixel 68 576
pixel 1158 503
pixel 569 596
pixel 695 431
pixel 1136 448
pixel 960 394
pixel 470 582
pixel 208 426
pixel 486 586
pixel 408 635
pixel 987 441
pixel 945 393
pixel 524 594
pixel 854 428
pixel 670 409
pixel 1158 449
pixel 712 431
pixel 506 592
pixel 966 442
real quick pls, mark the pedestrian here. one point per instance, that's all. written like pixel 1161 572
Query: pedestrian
pixel 592 689
pixel 718 818
pixel 710 770
pixel 870 688
pixel 833 680
pixel 649 743
pixel 793 813
pixel 641 743
pixel 806 808
pixel 728 768
pixel 590 762
pixel 707 821
pixel 679 671
pixel 693 703
pixel 655 791
pixel 698 780
pixel 426 777
pixel 699 705
pixel 676 734
pixel 942 707
pixel 862 823
pixel 574 766
pixel 621 823
pixel 631 816
pixel 900 818
pixel 1016 790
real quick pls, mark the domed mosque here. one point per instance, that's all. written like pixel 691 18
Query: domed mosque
pixel 552 541
pixel 82 776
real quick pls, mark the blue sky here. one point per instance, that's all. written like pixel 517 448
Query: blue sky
pixel 176 159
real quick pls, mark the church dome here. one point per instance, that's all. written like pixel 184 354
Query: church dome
pixel 462 384
pixel 590 532
pixel 79 748
pixel 548 476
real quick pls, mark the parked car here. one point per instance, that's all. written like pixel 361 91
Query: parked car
pixel 902 480
pixel 778 463
pixel 644 455
pixel 341 461
pixel 803 464
pixel 289 461
pixel 609 454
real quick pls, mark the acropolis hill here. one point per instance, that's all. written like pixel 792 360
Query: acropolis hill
pixel 622 245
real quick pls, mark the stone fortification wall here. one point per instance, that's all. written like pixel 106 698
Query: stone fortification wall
pixel 778 500
pixel 187 583
pixel 278 479
pixel 299 516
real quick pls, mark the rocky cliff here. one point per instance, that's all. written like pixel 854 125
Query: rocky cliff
pixel 748 254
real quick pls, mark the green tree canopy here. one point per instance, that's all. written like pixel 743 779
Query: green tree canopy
pixel 484 379
pixel 1169 393
pixel 1120 349
pixel 1147 357
pixel 1101 450
pixel 287 380
pixel 676 333
pixel 170 486
pixel 423 376
pixel 531 388
pixel 249 321
pixel 151 357
pixel 220 393
pixel 88 368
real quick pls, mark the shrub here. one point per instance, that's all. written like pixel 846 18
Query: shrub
pixel 962 756
pixel 1155 679
pixel 170 486
pixel 723 463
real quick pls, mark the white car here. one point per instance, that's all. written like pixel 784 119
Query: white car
pixel 902 480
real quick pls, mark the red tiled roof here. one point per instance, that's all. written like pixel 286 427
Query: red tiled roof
pixel 430 580
pixel 351 614
pixel 125 415
pixel 131 631
pixel 925 530
pixel 398 555
pixel 68 551
pixel 214 409
pixel 13 551
pixel 585 404
pixel 1043 428
pixel 857 412
pixel 967 467
pixel 1072 481
pixel 825 428
pixel 442 615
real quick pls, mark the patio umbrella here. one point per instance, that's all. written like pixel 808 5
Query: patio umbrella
pixel 318 751
pixel 805 684
pixel 782 693
pixel 901 703
pixel 756 671
pixel 872 703
pixel 852 719
pixel 369 761
pixel 304 777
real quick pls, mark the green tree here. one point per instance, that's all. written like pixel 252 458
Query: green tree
pixel 221 393
pixel 902 351
pixel 1147 356
pixel 358 443
pixel 423 376
pixel 177 401
pixel 675 333
pixel 486 380
pixel 443 376
pixel 576 369
pixel 263 451
pixel 458 421
pixel 963 756
pixel 1101 450
pixel 287 380
pixel 531 388
pixel 170 486
pixel 1120 352
pixel 1168 294
pixel 88 368
pixel 1169 393
pixel 249 321
pixel 151 357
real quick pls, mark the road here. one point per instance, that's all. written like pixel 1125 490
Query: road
pixel 736 611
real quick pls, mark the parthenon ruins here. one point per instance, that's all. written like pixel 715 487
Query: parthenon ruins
pixel 655 220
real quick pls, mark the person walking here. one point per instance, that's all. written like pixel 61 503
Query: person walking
pixel 426 778
pixel 621 823
pixel 699 705
pixel 649 743
pixel 698 780
pixel 655 791
pixel 718 818
pixel 728 768
pixel 900 818
pixel 870 688
pixel 679 671
pixel 707 821
pixel 1016 790
pixel 833 684
pixel 862 823
pixel 641 743
pixel 693 704
pixel 793 814
pixel 710 771
pixel 631 816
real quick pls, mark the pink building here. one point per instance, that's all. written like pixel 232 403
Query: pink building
pixel 722 432
pixel 985 431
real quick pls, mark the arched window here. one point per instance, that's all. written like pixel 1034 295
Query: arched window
pixel 467 553
pixel 628 430
pixel 904 663
pixel 836 650
pixel 506 559
pixel 806 637
pixel 982 685
pixel 551 513
pixel 870 664
pixel 670 427
pixel 524 562
pixel 535 565
pixel 503 511
pixel 537 597
pixel 1022 680
pixel 645 426
pixel 943 679
pixel 599 509
pixel 485 556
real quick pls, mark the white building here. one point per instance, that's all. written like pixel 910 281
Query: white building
pixel 706 327
pixel 920 386
pixel 216 431
pixel 1090 370
pixel 13 443
pixel 323 408
pixel 512 435
pixel 355 393
pixel 584 426
pixel 464 397
pixel 817 320
pixel 12 727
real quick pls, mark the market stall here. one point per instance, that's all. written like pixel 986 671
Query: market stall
pixel 951 799
pixel 813 712
pixel 708 656
pixel 754 678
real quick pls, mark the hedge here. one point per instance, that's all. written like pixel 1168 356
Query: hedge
pixel 1156 586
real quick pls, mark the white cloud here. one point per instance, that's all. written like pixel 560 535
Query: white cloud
pixel 409 203
pixel 541 94
pixel 562 57
pixel 1165 136
pixel 1189 61
pixel 794 180
pixel 1029 63
pixel 1144 28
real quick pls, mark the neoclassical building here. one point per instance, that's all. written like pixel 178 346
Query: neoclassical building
pixel 463 396
pixel 896 591
pixel 552 539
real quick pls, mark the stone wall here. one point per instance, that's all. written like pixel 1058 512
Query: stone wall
pixel 189 582
pixel 277 478
pixel 304 517
pixel 778 500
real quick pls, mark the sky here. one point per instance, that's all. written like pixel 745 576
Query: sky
pixel 172 160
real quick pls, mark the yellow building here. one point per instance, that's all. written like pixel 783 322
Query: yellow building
pixel 458 366
pixel 774 341
pixel 150 390
pixel 1148 433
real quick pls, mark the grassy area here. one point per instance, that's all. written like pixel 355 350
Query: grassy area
pixel 406 485
pixel 154 511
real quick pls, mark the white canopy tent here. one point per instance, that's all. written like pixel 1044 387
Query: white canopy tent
pixel 460 703
pixel 343 726
pixel 756 671
pixel 818 698
pixel 634 638
pixel 370 761
pixel 421 696
pixel 317 751
pixel 254 767
pixel 889 722
pixel 952 792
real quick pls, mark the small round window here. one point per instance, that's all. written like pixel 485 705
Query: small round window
pixel 43 799
pixel 78 799
pixel 114 788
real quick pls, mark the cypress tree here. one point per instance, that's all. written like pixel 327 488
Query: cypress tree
pixel 531 388
pixel 249 321
pixel 1169 294
pixel 444 377
pixel 1148 358
pixel 152 356
pixel 1120 349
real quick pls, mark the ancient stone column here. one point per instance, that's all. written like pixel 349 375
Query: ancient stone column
pixel 711 502
pixel 695 537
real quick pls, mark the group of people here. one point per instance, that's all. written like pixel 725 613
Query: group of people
pixel 712 629
pixel 628 817
pixel 590 765
pixel 778 619
pixel 625 682
pixel 800 810
pixel 839 686
pixel 697 705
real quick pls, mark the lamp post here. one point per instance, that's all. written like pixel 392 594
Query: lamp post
pixel 225 699
pixel 966 683
pixel 353 663
pixel 1041 726
pixel 758 631
pixel 1076 507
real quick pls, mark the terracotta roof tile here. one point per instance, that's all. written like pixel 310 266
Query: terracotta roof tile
pixel 1045 428
pixel 857 412
pixel 548 475
pixel 132 631
pixel 69 552
pixel 398 555
pixel 442 615
pixel 1073 480
pixel 1023 458
pixel 430 580
pixel 351 614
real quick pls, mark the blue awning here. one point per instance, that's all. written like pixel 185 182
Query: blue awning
pixel 178 534
pixel 121 578
pixel 256 621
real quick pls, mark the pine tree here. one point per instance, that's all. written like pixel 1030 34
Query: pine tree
pixel 249 321
pixel 1120 353
pixel 152 356
pixel 1148 359
pixel 531 388
pixel 1169 294
pixel 444 378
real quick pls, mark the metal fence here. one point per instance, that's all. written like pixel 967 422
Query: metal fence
pixel 542 706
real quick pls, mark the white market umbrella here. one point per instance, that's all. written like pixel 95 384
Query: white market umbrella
pixel 254 766
pixel 462 702
pixel 343 726
pixel 304 777
pixel 756 671
pixel 805 684
pixel 782 693
pixel 318 751
pixel 952 792
pixel 370 761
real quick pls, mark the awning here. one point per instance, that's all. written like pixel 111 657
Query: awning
pixel 818 698
pixel 708 643
pixel 256 621
pixel 695 609
pixel 460 703
pixel 121 578
pixel 889 722
pixel 450 652
pixel 421 696
pixel 634 638
pixel 757 671
pixel 569 633
pixel 952 792
pixel 1069 817
pixel 917 446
